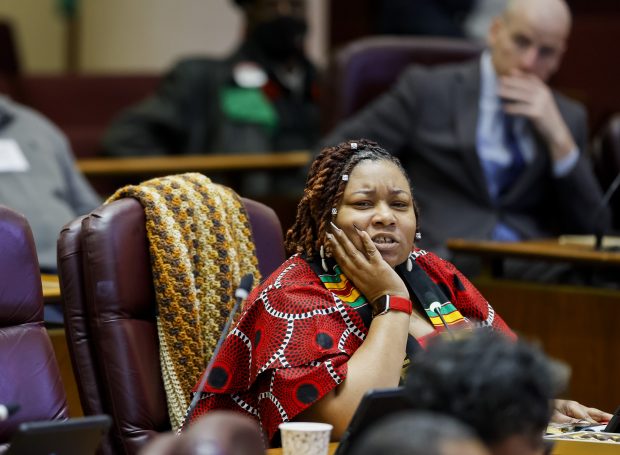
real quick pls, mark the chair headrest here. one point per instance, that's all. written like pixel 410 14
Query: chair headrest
pixel 20 278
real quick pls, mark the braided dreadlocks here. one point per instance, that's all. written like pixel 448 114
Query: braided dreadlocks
pixel 324 190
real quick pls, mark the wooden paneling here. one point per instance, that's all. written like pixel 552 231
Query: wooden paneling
pixel 576 325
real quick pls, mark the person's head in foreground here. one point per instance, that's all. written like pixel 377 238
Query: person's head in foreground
pixel 501 388
pixel 217 433
pixel 359 186
pixel 529 38
pixel 419 433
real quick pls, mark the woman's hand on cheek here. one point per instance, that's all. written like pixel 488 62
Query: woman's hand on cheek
pixel 366 268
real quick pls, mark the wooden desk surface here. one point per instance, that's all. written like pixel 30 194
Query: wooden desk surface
pixel 96 167
pixel 549 250
pixel 278 451
pixel 51 287
pixel 560 448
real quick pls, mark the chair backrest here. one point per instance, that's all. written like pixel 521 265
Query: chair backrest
pixel 29 373
pixel 109 300
pixel 365 68
pixel 83 106
pixel 606 159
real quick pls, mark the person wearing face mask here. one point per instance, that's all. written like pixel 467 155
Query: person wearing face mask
pixel 495 153
pixel 262 98
pixel 353 306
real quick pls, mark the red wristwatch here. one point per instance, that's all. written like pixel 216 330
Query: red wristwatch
pixel 387 303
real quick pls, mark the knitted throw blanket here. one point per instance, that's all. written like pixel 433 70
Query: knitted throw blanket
pixel 200 247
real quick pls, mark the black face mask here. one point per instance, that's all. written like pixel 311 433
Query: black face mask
pixel 281 38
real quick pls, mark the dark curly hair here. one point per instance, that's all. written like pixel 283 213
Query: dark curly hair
pixel 324 190
pixel 499 387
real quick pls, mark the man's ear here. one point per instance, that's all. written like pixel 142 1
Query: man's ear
pixel 494 30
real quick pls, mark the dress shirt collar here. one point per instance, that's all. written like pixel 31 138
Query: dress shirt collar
pixel 488 82
pixel 490 101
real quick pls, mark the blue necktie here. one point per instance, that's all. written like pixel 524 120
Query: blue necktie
pixel 507 176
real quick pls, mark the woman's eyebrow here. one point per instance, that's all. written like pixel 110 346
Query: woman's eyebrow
pixel 365 191
pixel 372 191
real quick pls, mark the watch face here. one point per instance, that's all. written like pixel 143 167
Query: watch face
pixel 387 303
pixel 380 306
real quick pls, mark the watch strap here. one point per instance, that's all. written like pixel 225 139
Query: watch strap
pixel 387 303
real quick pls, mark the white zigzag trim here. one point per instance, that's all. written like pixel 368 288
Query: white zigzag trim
pixel 330 369
pixel 272 381
pixel 243 405
pixel 277 282
pixel 274 400
pixel 243 337
pixel 291 317
pixel 416 254
pixel 204 395
pixel 345 316
pixel 343 339
pixel 279 354
pixel 490 318
pixel 248 344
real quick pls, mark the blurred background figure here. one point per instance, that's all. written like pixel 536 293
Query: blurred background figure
pixel 218 433
pixel 489 143
pixel 262 98
pixel 38 177
pixel 419 433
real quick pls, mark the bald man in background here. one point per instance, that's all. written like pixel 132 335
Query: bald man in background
pixel 492 151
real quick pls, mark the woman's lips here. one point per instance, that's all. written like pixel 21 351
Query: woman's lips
pixel 384 243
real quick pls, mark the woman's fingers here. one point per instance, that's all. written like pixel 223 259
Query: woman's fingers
pixel 599 416
pixel 347 249
pixel 372 254
pixel 350 251
pixel 567 409
pixel 364 266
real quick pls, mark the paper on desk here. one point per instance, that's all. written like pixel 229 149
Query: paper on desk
pixel 586 442
pixel 12 158
pixel 589 240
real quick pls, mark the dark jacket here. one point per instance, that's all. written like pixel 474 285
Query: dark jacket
pixel 186 115
pixel 429 119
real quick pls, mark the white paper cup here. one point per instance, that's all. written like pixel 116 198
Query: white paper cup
pixel 305 438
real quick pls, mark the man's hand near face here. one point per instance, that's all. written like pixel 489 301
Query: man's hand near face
pixel 530 97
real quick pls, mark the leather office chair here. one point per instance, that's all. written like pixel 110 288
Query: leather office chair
pixel 29 374
pixel 109 302
pixel 365 68
pixel 606 158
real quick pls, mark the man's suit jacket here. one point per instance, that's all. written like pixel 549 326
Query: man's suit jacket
pixel 429 119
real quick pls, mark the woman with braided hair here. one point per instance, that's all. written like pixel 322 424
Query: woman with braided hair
pixel 349 309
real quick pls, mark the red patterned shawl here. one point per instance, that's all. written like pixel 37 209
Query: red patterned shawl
pixel 291 345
